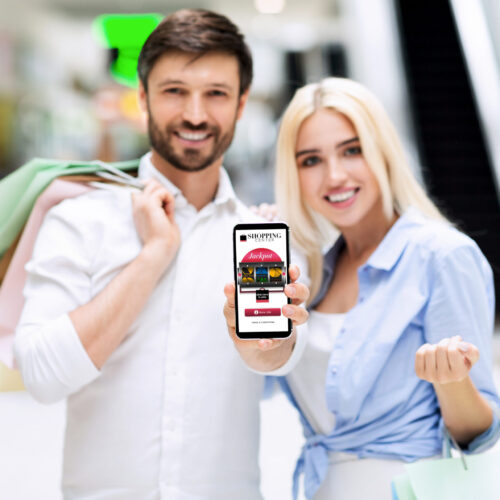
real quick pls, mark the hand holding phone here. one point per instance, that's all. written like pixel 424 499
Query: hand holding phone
pixel 261 260
pixel 266 354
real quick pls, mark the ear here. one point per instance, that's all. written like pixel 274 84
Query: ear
pixel 242 102
pixel 142 98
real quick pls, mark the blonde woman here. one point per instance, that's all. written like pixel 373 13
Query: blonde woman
pixel 401 306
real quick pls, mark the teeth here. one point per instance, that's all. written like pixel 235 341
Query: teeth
pixel 341 196
pixel 191 136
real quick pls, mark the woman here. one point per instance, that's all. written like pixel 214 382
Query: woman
pixel 401 305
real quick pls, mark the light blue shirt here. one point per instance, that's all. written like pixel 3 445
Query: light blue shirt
pixel 425 281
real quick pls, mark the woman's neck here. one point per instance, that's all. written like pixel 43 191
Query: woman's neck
pixel 362 240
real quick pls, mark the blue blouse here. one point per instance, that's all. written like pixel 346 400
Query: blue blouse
pixel 425 281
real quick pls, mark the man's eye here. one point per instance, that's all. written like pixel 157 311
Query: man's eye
pixel 310 161
pixel 173 90
pixel 217 93
pixel 353 151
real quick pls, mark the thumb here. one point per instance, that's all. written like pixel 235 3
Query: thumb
pixel 469 351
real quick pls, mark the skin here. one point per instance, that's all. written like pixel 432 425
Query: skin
pixel 189 94
pixel 186 94
pixel 330 163
pixel 269 354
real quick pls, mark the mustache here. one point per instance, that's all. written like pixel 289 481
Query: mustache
pixel 201 127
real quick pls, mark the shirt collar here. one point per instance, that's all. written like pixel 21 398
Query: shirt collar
pixel 225 193
pixel 395 241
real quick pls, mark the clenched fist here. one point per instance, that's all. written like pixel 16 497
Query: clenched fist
pixel 448 361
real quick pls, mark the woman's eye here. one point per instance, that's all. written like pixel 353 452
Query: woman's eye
pixel 353 151
pixel 310 161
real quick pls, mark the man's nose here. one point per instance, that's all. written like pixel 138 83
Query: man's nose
pixel 194 110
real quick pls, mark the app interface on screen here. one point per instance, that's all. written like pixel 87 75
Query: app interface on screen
pixel 260 279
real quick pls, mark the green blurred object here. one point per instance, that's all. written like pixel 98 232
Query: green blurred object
pixel 126 33
pixel 446 479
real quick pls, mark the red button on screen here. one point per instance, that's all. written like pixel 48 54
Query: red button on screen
pixel 263 312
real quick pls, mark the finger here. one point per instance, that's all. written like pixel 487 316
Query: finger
pixel 297 314
pixel 458 363
pixel 272 213
pixel 294 273
pixel 230 317
pixel 430 362
pixel 267 344
pixel 420 361
pixel 263 209
pixel 470 351
pixel 443 367
pixel 150 185
pixel 229 291
pixel 298 292
pixel 168 203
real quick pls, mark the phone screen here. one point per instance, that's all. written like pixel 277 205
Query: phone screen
pixel 261 258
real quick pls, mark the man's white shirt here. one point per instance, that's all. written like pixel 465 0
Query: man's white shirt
pixel 173 414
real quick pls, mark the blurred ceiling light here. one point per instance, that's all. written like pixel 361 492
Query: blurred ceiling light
pixel 269 6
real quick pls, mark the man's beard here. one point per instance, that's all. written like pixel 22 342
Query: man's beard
pixel 190 159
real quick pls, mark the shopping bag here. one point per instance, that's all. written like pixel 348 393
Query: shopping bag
pixel 448 479
pixel 12 274
pixel 20 190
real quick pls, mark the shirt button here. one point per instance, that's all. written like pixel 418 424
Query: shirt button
pixel 342 330
pixel 334 369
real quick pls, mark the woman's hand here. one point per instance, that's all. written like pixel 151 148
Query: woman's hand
pixel 266 211
pixel 256 352
pixel 153 211
pixel 448 361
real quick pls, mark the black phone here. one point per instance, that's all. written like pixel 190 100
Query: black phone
pixel 261 255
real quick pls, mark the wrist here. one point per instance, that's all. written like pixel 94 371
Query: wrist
pixel 453 386
pixel 157 255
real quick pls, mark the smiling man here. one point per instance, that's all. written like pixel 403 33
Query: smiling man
pixel 124 295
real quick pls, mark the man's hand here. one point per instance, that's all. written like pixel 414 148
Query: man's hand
pixel 269 354
pixel 446 362
pixel 153 211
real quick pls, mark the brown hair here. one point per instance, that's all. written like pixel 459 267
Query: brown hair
pixel 196 31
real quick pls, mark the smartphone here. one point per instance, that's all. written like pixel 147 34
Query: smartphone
pixel 261 259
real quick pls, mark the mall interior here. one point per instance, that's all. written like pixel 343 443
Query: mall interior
pixel 434 64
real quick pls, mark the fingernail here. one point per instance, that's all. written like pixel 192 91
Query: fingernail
pixel 463 347
pixel 287 310
pixel 291 290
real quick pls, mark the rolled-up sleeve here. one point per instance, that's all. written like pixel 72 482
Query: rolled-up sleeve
pixel 48 350
pixel 462 303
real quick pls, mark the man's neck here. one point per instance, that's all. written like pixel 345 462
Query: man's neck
pixel 199 188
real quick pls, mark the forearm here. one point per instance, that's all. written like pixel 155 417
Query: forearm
pixel 103 322
pixel 466 413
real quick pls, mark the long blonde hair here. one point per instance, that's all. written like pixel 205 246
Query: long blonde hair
pixel 382 151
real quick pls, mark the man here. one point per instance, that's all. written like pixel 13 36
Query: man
pixel 124 299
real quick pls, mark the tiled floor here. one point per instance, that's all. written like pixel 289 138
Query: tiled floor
pixel 31 443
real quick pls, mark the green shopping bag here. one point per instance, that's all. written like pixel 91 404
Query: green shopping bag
pixel 20 190
pixel 447 479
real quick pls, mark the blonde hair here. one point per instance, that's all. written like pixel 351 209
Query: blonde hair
pixel 382 151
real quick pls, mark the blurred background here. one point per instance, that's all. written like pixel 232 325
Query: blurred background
pixel 435 65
